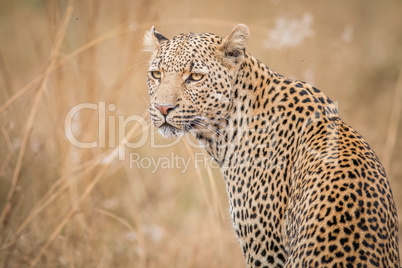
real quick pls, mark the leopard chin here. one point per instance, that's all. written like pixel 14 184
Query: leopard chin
pixel 168 131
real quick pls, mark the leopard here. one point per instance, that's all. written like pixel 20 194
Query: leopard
pixel 305 189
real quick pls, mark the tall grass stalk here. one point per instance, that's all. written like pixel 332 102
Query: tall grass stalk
pixel 52 61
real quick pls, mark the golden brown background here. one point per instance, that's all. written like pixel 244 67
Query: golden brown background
pixel 64 206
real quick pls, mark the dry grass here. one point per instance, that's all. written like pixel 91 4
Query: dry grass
pixel 63 206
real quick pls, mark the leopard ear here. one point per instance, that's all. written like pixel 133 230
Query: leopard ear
pixel 153 39
pixel 234 45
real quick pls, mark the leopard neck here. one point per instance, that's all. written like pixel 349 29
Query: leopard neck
pixel 249 101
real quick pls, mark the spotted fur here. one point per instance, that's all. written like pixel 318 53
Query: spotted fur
pixel 305 189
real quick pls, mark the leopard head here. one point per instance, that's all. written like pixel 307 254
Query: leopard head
pixel 190 79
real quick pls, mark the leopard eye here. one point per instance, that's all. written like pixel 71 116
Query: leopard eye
pixel 156 74
pixel 196 77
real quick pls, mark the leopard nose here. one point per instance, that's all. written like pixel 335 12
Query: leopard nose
pixel 164 108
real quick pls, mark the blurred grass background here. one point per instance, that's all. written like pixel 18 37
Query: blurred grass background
pixel 63 206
